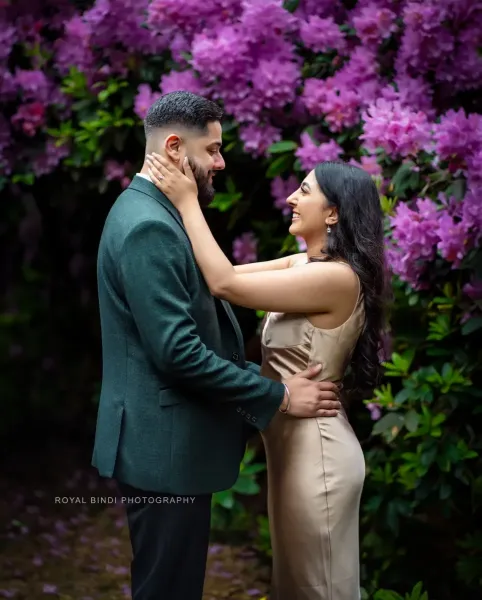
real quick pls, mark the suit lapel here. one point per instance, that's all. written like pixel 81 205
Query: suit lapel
pixel 139 184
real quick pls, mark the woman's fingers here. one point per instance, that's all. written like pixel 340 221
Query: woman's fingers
pixel 154 170
pixel 156 177
pixel 162 162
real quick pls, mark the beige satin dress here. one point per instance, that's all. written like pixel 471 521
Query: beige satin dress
pixel 316 468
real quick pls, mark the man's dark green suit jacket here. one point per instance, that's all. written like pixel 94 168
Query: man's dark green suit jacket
pixel 177 393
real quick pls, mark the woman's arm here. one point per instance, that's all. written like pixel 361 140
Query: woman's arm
pixel 270 265
pixel 309 288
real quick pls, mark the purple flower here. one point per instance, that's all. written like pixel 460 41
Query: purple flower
pixel 458 137
pixel 8 87
pixel 375 410
pixel 425 39
pixel 8 37
pixel 257 139
pixel 29 118
pixel 33 84
pixel 320 8
pixel 144 99
pixel 413 240
pixel 46 161
pixel 339 107
pixel 215 549
pixel 275 82
pixel 309 154
pixel 473 289
pixel 374 24
pixel 245 248
pixel 281 189
pixel 74 48
pixel 453 239
pixel 322 35
pixel 49 588
pixel 412 92
pixel 368 164
pixel 224 54
pixel 264 18
pixel 399 131
pixel 471 213
pixel 180 80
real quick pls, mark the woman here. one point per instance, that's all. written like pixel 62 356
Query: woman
pixel 325 306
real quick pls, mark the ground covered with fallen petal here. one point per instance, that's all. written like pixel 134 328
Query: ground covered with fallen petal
pixel 67 538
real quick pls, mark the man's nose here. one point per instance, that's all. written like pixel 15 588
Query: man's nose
pixel 219 163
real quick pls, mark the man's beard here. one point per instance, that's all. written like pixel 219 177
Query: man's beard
pixel 205 189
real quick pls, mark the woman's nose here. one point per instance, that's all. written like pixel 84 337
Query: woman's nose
pixel 291 200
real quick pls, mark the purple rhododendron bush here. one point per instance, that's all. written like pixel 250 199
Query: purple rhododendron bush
pixel 393 86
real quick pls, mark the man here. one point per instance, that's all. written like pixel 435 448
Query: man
pixel 177 394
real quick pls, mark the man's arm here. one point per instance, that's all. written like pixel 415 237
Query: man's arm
pixel 153 272
pixel 253 367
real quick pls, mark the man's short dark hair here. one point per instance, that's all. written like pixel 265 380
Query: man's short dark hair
pixel 181 108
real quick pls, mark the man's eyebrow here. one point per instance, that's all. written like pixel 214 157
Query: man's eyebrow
pixel 305 184
pixel 218 144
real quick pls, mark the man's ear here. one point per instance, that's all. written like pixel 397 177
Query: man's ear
pixel 174 148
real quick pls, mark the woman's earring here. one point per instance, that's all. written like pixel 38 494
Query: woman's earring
pixel 328 229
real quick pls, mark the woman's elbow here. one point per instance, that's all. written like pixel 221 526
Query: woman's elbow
pixel 220 289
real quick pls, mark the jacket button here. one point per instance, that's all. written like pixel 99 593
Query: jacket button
pixel 235 356
pixel 239 409
pixel 254 419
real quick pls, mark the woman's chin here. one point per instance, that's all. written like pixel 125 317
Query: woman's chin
pixel 294 228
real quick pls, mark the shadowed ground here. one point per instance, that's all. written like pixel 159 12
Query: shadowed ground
pixel 80 550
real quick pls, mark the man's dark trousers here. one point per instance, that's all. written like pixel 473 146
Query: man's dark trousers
pixel 169 537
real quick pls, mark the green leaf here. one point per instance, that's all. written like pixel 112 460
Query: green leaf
pixel 403 396
pixel 388 422
pixel 26 178
pixel 252 469
pixel 291 5
pixel 387 595
pixel 224 499
pixel 471 325
pixel 412 420
pixel 246 486
pixel 283 146
pixel 405 179
pixel 279 165
pixel 224 202
pixel 445 491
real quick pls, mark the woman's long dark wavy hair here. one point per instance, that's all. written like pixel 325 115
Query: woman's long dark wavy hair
pixel 358 239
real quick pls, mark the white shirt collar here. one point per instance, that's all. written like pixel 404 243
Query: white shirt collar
pixel 144 175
